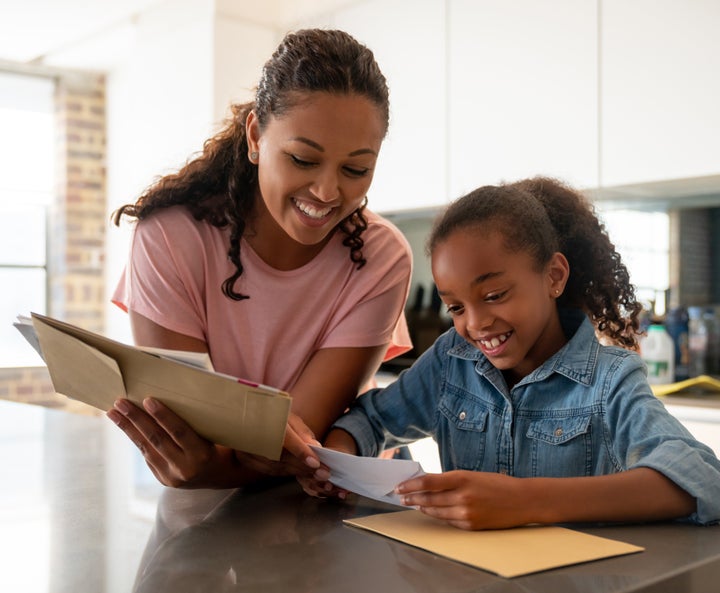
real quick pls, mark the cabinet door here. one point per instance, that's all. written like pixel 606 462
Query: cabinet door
pixel 660 90
pixel 408 40
pixel 522 91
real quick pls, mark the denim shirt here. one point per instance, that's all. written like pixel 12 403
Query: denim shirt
pixel 588 410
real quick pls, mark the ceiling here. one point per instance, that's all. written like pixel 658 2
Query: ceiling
pixel 84 33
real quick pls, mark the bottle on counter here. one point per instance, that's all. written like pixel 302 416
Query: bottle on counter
pixel 658 351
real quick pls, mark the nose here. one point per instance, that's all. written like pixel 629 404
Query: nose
pixel 326 187
pixel 478 320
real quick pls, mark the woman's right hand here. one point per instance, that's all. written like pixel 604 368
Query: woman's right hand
pixel 180 458
pixel 174 452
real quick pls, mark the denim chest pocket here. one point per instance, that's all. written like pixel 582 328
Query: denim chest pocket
pixel 466 424
pixel 561 447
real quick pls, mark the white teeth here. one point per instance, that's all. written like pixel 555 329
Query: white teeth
pixel 495 342
pixel 311 211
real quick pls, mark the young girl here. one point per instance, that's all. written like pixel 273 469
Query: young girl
pixel 535 419
pixel 261 252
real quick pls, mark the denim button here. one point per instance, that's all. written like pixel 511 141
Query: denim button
pixel 558 432
pixel 462 415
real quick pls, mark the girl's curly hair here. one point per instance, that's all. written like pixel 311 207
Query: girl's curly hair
pixel 542 216
pixel 219 185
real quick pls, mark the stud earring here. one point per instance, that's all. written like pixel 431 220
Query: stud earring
pixel 557 292
pixel 253 156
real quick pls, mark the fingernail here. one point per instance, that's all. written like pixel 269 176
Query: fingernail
pixel 312 462
pixel 328 486
pixel 322 475
pixel 114 416
pixel 122 406
pixel 342 495
pixel 150 404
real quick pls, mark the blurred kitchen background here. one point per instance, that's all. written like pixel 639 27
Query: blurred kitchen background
pixel 617 97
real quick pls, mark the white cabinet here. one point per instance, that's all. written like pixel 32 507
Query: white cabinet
pixel 408 40
pixel 522 92
pixel 660 90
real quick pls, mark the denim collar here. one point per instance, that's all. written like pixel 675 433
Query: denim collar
pixel 576 360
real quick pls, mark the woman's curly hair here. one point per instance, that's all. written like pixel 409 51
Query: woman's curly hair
pixel 542 216
pixel 219 185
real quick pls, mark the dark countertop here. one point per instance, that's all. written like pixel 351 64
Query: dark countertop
pixel 83 514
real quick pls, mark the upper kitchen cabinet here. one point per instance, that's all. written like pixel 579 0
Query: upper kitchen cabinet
pixel 522 88
pixel 660 88
pixel 408 40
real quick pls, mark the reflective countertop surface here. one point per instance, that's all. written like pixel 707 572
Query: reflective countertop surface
pixel 82 513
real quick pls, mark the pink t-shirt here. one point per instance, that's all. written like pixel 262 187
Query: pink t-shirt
pixel 177 266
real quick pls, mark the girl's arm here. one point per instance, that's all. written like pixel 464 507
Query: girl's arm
pixel 477 500
pixel 179 457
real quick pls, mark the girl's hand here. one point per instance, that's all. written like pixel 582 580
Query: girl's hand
pixel 467 499
pixel 175 453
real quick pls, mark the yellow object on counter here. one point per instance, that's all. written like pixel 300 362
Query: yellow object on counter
pixel 699 383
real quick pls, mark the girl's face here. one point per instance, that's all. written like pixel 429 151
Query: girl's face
pixel 499 301
pixel 315 164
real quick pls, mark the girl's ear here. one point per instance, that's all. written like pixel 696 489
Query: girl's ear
pixel 558 270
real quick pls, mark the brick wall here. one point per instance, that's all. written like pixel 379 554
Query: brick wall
pixel 76 231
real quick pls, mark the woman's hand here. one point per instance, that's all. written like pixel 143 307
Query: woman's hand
pixel 297 457
pixel 466 499
pixel 180 458
pixel 175 453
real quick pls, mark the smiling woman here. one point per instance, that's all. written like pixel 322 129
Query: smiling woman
pixel 262 253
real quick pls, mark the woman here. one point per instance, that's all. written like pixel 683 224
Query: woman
pixel 260 252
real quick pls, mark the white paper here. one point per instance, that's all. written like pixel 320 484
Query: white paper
pixel 370 476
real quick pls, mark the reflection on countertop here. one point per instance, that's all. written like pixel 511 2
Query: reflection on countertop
pixel 77 505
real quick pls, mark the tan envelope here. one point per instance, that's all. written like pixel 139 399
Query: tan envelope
pixel 96 370
pixel 506 552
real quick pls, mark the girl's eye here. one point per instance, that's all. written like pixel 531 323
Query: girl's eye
pixel 454 310
pixel 495 296
pixel 301 162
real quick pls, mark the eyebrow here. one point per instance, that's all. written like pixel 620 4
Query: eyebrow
pixel 316 146
pixel 479 280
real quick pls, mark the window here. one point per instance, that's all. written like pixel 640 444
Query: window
pixel 643 241
pixel 26 186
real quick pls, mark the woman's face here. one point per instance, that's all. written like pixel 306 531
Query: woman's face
pixel 498 299
pixel 316 162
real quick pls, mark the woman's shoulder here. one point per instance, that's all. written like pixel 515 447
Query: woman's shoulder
pixel 383 236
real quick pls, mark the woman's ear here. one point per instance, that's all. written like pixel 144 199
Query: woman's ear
pixel 252 131
pixel 558 270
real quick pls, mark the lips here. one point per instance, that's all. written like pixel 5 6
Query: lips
pixel 492 344
pixel 312 211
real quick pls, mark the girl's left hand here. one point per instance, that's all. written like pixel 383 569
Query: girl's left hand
pixel 466 499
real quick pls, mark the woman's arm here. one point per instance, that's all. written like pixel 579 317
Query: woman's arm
pixel 477 500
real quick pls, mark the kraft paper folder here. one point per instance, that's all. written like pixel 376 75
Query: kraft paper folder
pixel 505 552
pixel 226 410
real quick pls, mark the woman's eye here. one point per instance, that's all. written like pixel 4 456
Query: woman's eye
pixel 454 309
pixel 301 162
pixel 355 172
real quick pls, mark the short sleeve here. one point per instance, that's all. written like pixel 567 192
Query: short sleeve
pixel 374 315
pixel 163 277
